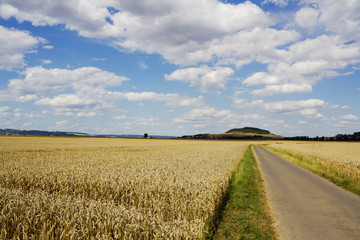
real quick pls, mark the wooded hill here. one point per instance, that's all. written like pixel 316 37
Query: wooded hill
pixel 239 133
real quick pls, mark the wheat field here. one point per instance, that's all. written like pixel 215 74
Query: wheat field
pixel 343 157
pixel 93 188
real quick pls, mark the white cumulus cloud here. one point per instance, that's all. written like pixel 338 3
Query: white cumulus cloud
pixel 290 106
pixel 206 116
pixel 39 80
pixel 204 76
pixel 350 117
pixel 307 18
pixel 86 17
pixel 303 64
pixel 14 44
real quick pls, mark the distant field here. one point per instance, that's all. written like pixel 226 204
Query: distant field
pixel 62 188
pixel 337 161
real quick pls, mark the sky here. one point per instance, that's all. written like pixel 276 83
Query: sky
pixel 178 67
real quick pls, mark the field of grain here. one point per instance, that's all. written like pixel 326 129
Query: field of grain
pixel 87 188
pixel 342 157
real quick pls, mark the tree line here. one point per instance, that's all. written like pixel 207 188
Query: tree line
pixel 339 137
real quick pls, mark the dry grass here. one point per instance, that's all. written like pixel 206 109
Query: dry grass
pixel 82 188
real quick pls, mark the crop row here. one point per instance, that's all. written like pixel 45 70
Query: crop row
pixel 54 188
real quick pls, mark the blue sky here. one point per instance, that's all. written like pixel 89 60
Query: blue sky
pixel 180 67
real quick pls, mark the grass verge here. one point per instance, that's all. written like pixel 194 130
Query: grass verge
pixel 247 214
pixel 315 166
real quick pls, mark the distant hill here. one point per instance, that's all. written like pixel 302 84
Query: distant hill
pixel 248 130
pixel 250 133
pixel 246 133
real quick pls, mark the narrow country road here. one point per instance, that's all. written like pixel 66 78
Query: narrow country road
pixel 306 206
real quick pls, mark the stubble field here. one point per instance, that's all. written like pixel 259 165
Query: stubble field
pixel 82 188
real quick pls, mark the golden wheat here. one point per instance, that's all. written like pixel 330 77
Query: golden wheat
pixel 82 188
pixel 343 157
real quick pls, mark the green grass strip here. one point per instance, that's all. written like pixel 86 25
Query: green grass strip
pixel 314 166
pixel 247 214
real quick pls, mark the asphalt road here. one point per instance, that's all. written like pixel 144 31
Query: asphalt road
pixel 306 206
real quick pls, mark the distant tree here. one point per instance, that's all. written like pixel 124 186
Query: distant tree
pixel 145 135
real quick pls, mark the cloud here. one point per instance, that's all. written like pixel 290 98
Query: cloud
pixel 350 117
pixel 280 3
pixel 337 17
pixel 306 106
pixel 46 61
pixel 341 17
pixel 89 84
pixel 75 104
pixel 171 99
pixel 86 17
pixel 261 78
pixel 243 103
pixel 307 18
pixel 312 113
pixel 206 116
pixel 325 49
pixel 48 47
pixel 88 91
pixel 86 114
pixel 9 115
pixel 14 44
pixel 204 76
pixel 147 121
pixel 283 89
pixel 61 123
pixel 188 26
pixel 26 98
pixel 143 65
pixel 243 47
pixel 5 112
pixel 250 117
pixel 133 123
pixel 27 124
pixel 196 32
pixel 67 101
pixel 180 31
pixel 303 64
pixel 240 103
pixel 122 117
pixel 231 34
pixel 38 80
pixel 344 121
pixel 98 59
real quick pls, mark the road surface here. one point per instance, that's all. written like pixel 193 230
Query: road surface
pixel 306 206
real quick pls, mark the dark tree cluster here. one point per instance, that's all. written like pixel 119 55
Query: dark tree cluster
pixel 339 137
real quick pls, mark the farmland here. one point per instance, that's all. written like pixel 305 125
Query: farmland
pixel 101 188
pixel 84 188
pixel 336 161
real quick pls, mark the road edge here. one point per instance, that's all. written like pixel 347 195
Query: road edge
pixel 247 214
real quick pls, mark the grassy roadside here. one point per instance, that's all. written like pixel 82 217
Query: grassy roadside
pixel 315 166
pixel 247 214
